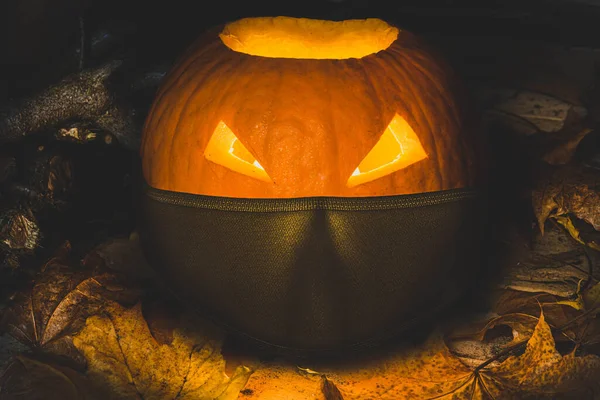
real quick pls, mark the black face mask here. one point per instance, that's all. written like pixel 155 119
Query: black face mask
pixel 316 273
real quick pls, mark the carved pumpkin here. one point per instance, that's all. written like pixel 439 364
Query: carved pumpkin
pixel 302 174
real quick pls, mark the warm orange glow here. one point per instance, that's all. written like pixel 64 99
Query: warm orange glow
pixel 225 149
pixel 397 148
pixel 287 37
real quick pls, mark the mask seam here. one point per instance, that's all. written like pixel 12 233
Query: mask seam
pixel 309 203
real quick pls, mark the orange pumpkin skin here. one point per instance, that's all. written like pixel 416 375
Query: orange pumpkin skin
pixel 309 122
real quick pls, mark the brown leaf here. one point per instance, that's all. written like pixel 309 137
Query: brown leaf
pixel 553 263
pixel 522 326
pixel 564 151
pixel 546 113
pixel 123 356
pixel 569 189
pixel 558 148
pixel 57 305
pixel 28 379
pixel 542 370
pixel 19 230
pixel 568 224
pixel 330 391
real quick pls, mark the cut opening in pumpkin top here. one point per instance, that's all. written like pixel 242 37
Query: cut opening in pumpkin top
pixel 287 37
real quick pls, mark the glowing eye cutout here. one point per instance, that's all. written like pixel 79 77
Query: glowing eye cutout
pixel 396 149
pixel 225 149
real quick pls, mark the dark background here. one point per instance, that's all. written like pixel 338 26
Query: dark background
pixel 39 39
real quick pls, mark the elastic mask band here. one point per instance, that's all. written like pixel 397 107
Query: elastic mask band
pixel 309 203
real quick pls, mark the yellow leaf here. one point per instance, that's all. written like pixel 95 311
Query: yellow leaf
pixel 542 370
pixel 565 221
pixel 123 355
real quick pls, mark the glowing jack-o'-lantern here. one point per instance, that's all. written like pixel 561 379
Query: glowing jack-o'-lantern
pixel 310 184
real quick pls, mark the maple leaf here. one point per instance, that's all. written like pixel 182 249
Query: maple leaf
pixel 123 355
pixel 57 305
pixel 542 370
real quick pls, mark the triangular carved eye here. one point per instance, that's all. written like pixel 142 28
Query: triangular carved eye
pixel 396 149
pixel 224 148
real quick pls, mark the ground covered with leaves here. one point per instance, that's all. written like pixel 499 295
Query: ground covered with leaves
pixel 81 316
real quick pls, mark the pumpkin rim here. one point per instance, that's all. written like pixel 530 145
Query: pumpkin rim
pixel 305 38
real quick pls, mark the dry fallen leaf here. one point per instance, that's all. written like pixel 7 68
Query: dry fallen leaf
pixel 58 304
pixel 564 151
pixel 551 263
pixel 522 326
pixel 28 379
pixel 568 189
pixel 542 370
pixel 123 356
pixel 568 224
pixel 543 112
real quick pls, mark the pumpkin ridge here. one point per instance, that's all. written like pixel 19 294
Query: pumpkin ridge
pixel 162 111
pixel 442 89
pixel 417 107
pixel 440 86
pixel 431 93
pixel 401 106
pixel 254 65
pixel 236 65
pixel 177 132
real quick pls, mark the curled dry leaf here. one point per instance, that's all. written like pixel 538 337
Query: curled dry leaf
pixel 19 230
pixel 28 379
pixel 60 300
pixel 558 148
pixel 568 224
pixel 553 263
pixel 569 189
pixel 479 343
pixel 122 355
pixel 556 313
pixel 563 152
